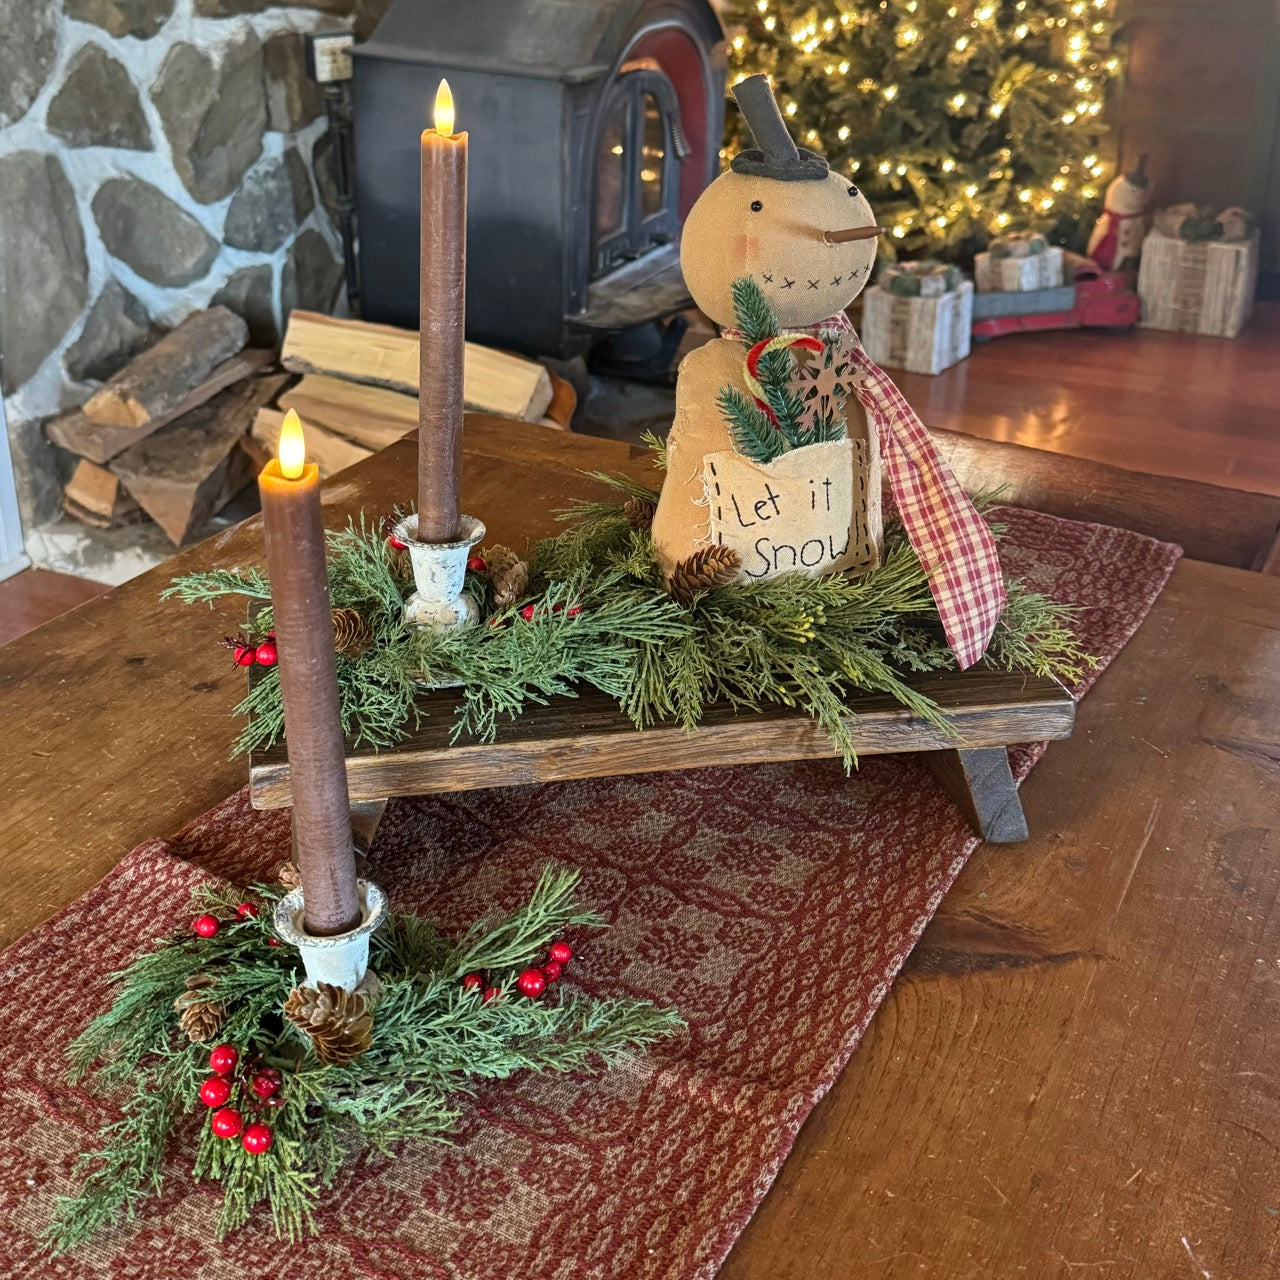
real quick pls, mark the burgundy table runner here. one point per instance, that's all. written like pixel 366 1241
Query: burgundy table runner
pixel 772 905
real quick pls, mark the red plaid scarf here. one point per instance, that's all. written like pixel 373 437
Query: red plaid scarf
pixel 954 544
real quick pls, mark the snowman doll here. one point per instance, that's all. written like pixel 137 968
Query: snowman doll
pixel 781 229
pixel 1116 241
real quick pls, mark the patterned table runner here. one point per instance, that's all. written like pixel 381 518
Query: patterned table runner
pixel 772 905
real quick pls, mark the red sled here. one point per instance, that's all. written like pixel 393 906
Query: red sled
pixel 1097 300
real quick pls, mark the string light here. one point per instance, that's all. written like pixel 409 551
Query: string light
pixel 945 194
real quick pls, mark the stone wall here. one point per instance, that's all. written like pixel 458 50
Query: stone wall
pixel 155 156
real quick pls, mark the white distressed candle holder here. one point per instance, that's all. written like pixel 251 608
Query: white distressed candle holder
pixel 342 959
pixel 439 574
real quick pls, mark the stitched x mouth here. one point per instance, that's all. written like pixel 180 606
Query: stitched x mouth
pixel 769 277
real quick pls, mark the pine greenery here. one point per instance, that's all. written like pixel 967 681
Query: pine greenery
pixel 753 432
pixel 433 1043
pixel 944 111
pixel 598 615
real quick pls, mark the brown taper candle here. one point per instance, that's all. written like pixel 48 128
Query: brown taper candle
pixel 441 322
pixel 294 531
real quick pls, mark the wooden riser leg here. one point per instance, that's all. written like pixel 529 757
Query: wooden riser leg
pixel 365 816
pixel 979 781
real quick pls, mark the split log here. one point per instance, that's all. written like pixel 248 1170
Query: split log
pixel 152 384
pixel 96 496
pixel 382 356
pixel 192 468
pixel 98 442
pixel 376 417
pixel 371 416
pixel 329 451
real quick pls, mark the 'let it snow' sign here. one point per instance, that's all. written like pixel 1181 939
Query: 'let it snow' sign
pixel 805 512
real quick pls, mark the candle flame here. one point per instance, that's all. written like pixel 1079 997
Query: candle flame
pixel 444 110
pixel 293 447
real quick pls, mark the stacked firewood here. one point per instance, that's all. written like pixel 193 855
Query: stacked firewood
pixel 181 429
pixel 163 437
pixel 359 387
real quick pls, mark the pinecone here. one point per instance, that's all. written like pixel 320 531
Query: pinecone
pixel 706 569
pixel 509 575
pixel 338 1022
pixel 352 634
pixel 286 874
pixel 200 1017
pixel 639 513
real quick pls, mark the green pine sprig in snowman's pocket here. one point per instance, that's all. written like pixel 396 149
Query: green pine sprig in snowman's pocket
pixel 765 425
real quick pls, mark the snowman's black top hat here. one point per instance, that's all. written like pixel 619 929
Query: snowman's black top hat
pixel 775 155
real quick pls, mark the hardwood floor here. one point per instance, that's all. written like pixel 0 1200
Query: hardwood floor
pixel 1168 404
pixel 34 596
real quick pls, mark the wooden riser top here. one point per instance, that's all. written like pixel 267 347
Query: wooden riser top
pixel 588 737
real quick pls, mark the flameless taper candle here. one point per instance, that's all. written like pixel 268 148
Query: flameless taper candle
pixel 294 532
pixel 441 322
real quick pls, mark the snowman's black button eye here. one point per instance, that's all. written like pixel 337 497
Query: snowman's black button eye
pixel 853 191
pixel 756 206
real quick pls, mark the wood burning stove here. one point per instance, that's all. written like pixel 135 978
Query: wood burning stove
pixel 595 125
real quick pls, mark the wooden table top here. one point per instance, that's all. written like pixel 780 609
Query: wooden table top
pixel 1076 1073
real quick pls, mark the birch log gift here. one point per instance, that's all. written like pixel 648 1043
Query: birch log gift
pixel 784 423
pixel 1018 262
pixel 923 334
pixel 1199 285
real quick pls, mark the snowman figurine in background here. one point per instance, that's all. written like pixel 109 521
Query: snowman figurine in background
pixel 1116 241
pixel 783 427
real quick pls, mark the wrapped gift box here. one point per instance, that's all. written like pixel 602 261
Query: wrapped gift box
pixel 1204 287
pixel 996 273
pixel 923 335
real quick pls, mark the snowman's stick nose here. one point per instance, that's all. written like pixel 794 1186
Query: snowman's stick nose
pixel 853 233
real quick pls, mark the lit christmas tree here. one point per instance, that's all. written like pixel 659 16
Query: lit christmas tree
pixel 959 120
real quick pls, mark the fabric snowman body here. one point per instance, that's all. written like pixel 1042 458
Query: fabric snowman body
pixel 806 237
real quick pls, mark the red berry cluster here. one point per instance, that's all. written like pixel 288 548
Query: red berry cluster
pixel 395 544
pixel 246 653
pixel 529 612
pixel 477 564
pixel 532 982
pixel 262 1082
pixel 207 926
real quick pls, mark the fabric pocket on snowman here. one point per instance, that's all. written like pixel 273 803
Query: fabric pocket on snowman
pixel 806 511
